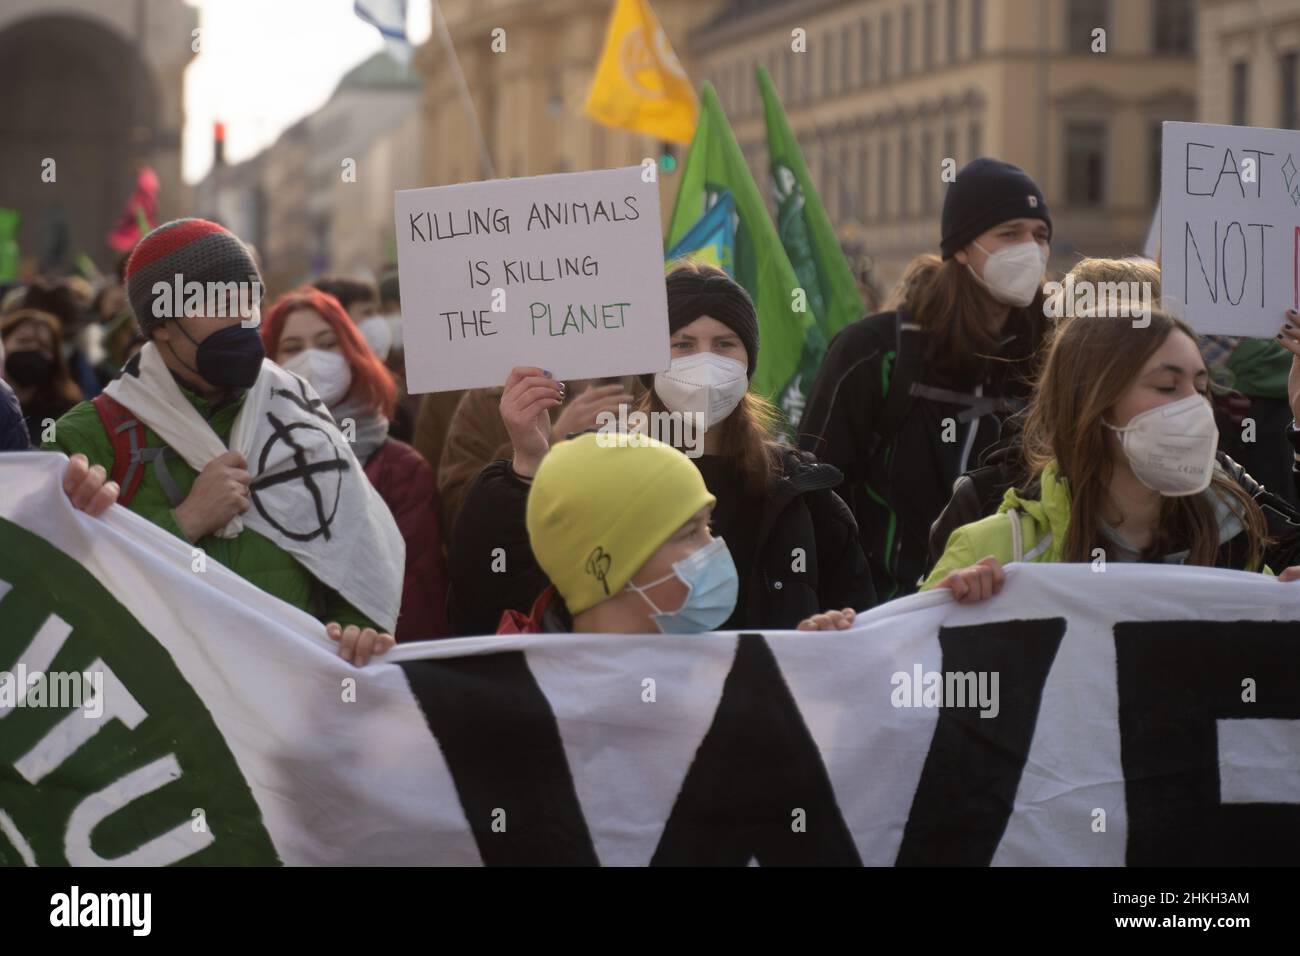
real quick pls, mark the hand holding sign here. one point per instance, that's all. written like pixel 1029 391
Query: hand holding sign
pixel 584 408
pixel 530 394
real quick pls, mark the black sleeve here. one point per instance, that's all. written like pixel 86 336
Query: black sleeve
pixel 1283 520
pixel 843 406
pixel 490 565
pixel 844 579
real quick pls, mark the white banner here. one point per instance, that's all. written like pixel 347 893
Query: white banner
pixel 1143 715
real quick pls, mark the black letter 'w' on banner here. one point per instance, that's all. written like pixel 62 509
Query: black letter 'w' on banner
pixel 1177 680
pixel 755 767
pixel 502 745
pixel 968 785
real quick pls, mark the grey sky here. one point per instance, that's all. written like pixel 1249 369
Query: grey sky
pixel 264 64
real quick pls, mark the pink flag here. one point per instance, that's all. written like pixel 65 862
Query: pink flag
pixel 140 215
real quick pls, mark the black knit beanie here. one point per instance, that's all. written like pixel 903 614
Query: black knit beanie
pixel 988 192
pixel 701 290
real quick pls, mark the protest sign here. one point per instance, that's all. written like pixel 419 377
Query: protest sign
pixel 1230 226
pixel 1146 715
pixel 563 272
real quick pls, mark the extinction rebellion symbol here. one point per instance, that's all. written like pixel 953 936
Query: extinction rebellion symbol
pixel 313 472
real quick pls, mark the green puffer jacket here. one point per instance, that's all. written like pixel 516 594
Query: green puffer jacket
pixel 250 555
pixel 1033 529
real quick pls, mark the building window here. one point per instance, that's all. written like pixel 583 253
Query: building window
pixel 864 45
pixel 805 89
pixel 976 28
pixel 927 35
pixel 1171 27
pixel 951 32
pixel 1085 163
pixel 827 46
pixel 861 191
pixel 904 176
pixel 907 41
pixel 929 170
pixel 975 141
pixel 886 46
pixel 882 183
pixel 1082 17
pixel 846 194
pixel 1240 88
pixel 846 61
pixel 1289 69
pixel 1154 161
pixel 950 144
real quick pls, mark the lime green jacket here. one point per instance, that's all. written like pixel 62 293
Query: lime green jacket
pixel 1026 529
pixel 252 556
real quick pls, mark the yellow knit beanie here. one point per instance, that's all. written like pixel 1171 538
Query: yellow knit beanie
pixel 601 504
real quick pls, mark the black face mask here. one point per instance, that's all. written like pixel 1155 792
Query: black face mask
pixel 229 357
pixel 29 368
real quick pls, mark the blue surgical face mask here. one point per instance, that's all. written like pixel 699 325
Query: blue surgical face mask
pixel 712 585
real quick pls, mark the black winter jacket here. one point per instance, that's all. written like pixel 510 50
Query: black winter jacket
pixel 13 430
pixel 800 512
pixel 898 491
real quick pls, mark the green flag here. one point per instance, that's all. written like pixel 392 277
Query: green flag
pixel 805 229
pixel 715 166
pixel 9 223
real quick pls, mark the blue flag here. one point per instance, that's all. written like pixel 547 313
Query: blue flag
pixel 712 239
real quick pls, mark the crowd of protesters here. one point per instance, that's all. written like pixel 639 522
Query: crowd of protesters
pixel 962 429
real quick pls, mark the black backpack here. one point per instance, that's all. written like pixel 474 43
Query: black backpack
pixel 976 494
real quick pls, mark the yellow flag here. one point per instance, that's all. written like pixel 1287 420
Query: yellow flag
pixel 639 83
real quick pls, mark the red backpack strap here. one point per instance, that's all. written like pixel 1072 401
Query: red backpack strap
pixel 127 435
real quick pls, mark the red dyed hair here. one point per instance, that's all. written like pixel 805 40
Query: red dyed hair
pixel 372 382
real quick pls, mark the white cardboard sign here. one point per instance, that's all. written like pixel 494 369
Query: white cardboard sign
pixel 1230 226
pixel 564 272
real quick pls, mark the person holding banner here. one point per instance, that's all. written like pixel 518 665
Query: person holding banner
pixel 173 434
pixel 908 400
pixel 1121 441
pixel 620 525
pixel 308 333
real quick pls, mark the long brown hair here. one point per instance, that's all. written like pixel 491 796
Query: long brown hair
pixel 61 389
pixel 1091 362
pixel 746 439
pixel 950 305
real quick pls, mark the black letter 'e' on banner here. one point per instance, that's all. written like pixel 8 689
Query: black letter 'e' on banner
pixel 502 745
pixel 1176 680
pixel 755 767
pixel 968 785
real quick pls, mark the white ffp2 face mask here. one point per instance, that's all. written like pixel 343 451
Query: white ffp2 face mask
pixel 1014 274
pixel 709 384
pixel 327 372
pixel 1171 448
pixel 378 335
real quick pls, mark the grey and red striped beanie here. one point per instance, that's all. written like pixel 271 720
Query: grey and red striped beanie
pixel 195 250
